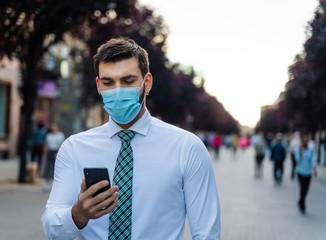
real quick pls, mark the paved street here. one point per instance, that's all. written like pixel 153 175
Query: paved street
pixel 258 210
pixel 251 209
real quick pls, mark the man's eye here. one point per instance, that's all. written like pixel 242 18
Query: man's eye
pixel 107 83
pixel 129 82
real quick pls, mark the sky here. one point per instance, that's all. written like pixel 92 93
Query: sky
pixel 242 48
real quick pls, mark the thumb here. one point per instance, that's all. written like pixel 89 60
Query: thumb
pixel 83 186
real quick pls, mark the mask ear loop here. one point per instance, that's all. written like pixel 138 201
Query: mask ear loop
pixel 99 85
pixel 143 83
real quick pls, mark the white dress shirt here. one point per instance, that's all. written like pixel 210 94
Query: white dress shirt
pixel 172 177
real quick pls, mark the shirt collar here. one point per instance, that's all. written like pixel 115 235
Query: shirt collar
pixel 141 126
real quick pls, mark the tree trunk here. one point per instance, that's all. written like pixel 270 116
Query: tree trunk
pixel 29 92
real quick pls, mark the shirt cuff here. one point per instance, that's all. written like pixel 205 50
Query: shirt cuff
pixel 69 224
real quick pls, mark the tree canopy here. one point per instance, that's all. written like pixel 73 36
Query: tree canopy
pixel 29 28
pixel 303 103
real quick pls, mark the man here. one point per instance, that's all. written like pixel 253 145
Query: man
pixel 260 149
pixel 37 142
pixel 294 143
pixel 170 169
pixel 305 158
pixel 278 154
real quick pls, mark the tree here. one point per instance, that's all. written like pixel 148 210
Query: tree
pixel 315 49
pixel 300 95
pixel 304 103
pixel 174 96
pixel 29 28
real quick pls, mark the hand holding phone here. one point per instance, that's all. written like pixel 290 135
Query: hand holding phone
pixel 95 175
pixel 87 207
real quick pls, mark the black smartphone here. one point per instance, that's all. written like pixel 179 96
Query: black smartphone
pixel 95 175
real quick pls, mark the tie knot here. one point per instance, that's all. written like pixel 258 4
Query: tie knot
pixel 126 135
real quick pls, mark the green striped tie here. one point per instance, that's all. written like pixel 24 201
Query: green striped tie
pixel 120 217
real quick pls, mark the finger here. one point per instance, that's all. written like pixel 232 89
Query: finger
pixel 106 202
pixel 97 186
pixel 106 194
pixel 106 210
pixel 83 186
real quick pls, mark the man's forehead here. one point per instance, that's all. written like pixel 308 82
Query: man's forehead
pixel 130 61
pixel 120 68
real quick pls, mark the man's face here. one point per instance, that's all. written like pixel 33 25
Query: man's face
pixel 124 73
pixel 304 140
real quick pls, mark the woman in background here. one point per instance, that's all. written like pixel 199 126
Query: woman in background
pixel 305 158
pixel 53 140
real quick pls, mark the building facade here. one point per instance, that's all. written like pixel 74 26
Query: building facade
pixel 10 103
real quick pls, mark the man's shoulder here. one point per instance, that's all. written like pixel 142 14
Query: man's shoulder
pixel 171 130
pixel 159 124
pixel 90 133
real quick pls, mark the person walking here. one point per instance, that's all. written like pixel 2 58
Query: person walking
pixel 235 142
pixel 260 149
pixel 169 170
pixel 53 141
pixel 294 143
pixel 37 144
pixel 217 142
pixel 305 158
pixel 278 154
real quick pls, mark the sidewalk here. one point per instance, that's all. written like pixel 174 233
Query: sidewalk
pixel 21 205
pixel 9 174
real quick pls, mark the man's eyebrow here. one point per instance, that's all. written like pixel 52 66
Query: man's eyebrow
pixel 128 77
pixel 122 78
pixel 105 78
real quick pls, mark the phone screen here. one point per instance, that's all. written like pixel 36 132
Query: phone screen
pixel 95 175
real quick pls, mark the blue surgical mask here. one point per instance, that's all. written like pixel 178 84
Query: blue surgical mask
pixel 122 104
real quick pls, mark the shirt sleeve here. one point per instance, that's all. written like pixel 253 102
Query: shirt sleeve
pixel 297 154
pixel 57 219
pixel 313 158
pixel 201 197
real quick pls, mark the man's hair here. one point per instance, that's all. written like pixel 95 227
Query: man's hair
pixel 117 49
pixel 305 134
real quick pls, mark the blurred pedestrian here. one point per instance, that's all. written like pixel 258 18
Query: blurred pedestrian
pixel 210 138
pixel 228 141
pixel 235 142
pixel 260 149
pixel 294 143
pixel 206 140
pixel 278 154
pixel 53 141
pixel 254 138
pixel 306 164
pixel 324 148
pixel 244 142
pixel 217 142
pixel 37 143
pixel 201 135
pixel 269 138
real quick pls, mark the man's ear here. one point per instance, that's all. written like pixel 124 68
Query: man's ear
pixel 98 85
pixel 148 83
